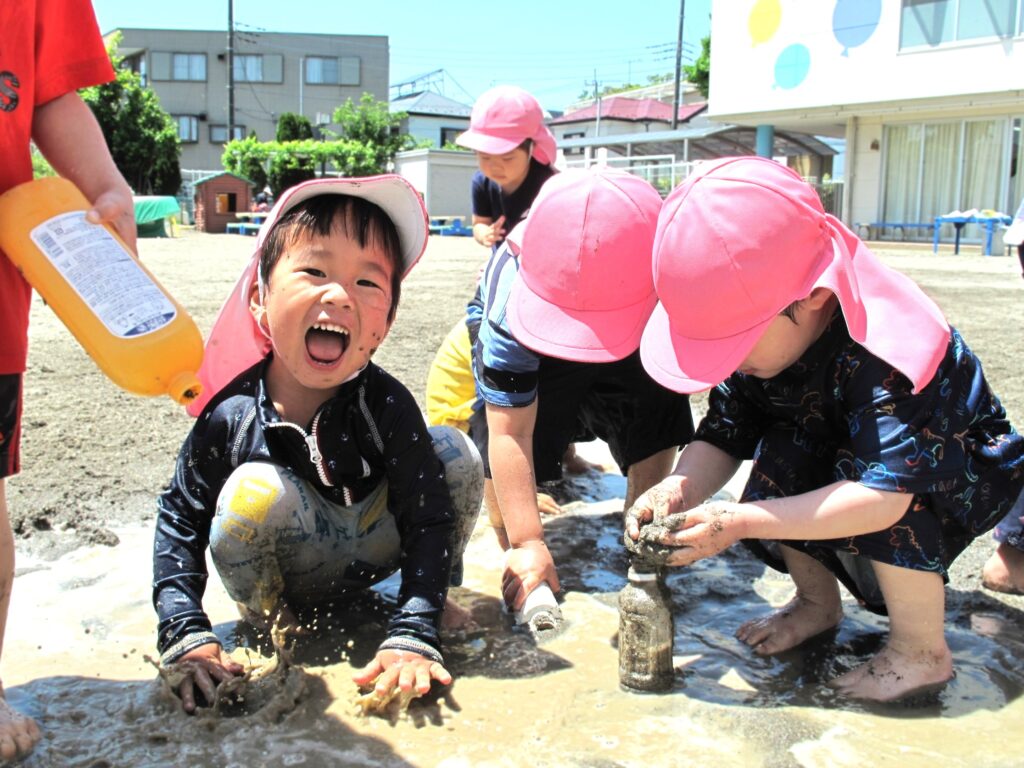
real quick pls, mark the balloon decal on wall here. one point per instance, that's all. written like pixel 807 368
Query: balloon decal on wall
pixel 854 21
pixel 764 20
pixel 792 65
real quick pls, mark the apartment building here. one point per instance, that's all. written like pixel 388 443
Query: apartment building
pixel 928 94
pixel 308 74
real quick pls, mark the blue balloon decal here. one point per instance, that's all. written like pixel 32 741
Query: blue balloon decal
pixel 792 65
pixel 854 21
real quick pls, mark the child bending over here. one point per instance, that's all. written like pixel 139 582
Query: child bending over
pixel 879 450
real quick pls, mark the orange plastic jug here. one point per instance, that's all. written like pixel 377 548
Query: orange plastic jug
pixel 136 332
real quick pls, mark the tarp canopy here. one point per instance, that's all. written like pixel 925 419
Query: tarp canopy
pixel 150 212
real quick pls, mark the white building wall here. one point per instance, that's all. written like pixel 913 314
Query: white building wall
pixel 443 178
pixel 428 127
pixel 792 54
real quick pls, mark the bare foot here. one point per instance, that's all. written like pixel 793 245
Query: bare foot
pixel 18 734
pixel 893 675
pixel 1004 570
pixel 575 464
pixel 455 618
pixel 790 625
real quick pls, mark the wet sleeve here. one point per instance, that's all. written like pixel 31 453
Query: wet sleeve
pixel 418 497
pixel 906 442
pixel 70 53
pixel 734 421
pixel 184 515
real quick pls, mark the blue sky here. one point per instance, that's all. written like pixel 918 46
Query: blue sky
pixel 553 48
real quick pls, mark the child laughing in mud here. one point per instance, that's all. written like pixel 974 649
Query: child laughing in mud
pixel 311 475
pixel 879 450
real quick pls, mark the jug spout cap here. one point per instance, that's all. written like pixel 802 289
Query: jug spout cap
pixel 184 387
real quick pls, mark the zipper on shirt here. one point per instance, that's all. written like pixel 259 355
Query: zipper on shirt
pixel 310 439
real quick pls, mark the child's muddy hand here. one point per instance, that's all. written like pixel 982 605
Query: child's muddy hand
pixel 527 565
pixel 656 503
pixel 403 671
pixel 702 532
pixel 205 668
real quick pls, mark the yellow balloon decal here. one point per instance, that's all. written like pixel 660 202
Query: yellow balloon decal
pixel 764 20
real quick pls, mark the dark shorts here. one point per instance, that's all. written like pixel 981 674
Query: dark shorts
pixel 929 536
pixel 10 424
pixel 615 402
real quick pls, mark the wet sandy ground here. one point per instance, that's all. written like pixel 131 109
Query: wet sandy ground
pixel 81 624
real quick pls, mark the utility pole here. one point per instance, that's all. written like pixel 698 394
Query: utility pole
pixel 231 69
pixel 679 66
pixel 597 105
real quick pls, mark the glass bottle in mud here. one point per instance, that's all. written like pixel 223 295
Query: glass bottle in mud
pixel 645 631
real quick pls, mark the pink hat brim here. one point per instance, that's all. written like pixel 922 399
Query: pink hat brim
pixel 692 365
pixel 590 337
pixel 487 143
pixel 875 299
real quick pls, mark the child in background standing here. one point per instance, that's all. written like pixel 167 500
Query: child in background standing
pixel 51 48
pixel 879 450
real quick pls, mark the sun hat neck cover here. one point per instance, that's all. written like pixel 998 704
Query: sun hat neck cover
pixel 740 241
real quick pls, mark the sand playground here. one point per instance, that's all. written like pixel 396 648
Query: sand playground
pixel 82 626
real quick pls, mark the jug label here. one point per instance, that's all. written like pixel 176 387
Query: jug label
pixel 104 274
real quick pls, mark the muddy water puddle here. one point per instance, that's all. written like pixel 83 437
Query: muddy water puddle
pixel 80 628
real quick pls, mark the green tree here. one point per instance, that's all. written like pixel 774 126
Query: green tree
pixel 293 127
pixel 142 137
pixel 372 124
pixel 699 73
pixel 40 165
pixel 248 158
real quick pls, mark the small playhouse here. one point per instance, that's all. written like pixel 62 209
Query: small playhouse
pixel 218 198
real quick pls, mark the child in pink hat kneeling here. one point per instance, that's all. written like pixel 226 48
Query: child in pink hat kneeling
pixel 566 298
pixel 879 450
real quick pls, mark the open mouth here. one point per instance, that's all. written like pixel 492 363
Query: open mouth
pixel 326 343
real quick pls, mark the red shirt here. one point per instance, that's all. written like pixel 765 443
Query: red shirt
pixel 50 48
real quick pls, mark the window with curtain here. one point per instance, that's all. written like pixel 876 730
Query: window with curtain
pixel 321 70
pixel 248 68
pixel 935 168
pixel 934 22
pixel 188 66
pixel 902 173
pixel 1016 165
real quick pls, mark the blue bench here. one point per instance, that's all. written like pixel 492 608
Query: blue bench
pixel 242 228
pixel 449 226
pixel 876 228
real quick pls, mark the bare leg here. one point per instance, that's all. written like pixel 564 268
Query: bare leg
pixel 915 658
pixel 647 473
pixel 1004 570
pixel 815 608
pixel 18 734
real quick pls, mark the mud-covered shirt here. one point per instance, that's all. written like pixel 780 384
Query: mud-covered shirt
pixel 951 445
pixel 370 432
